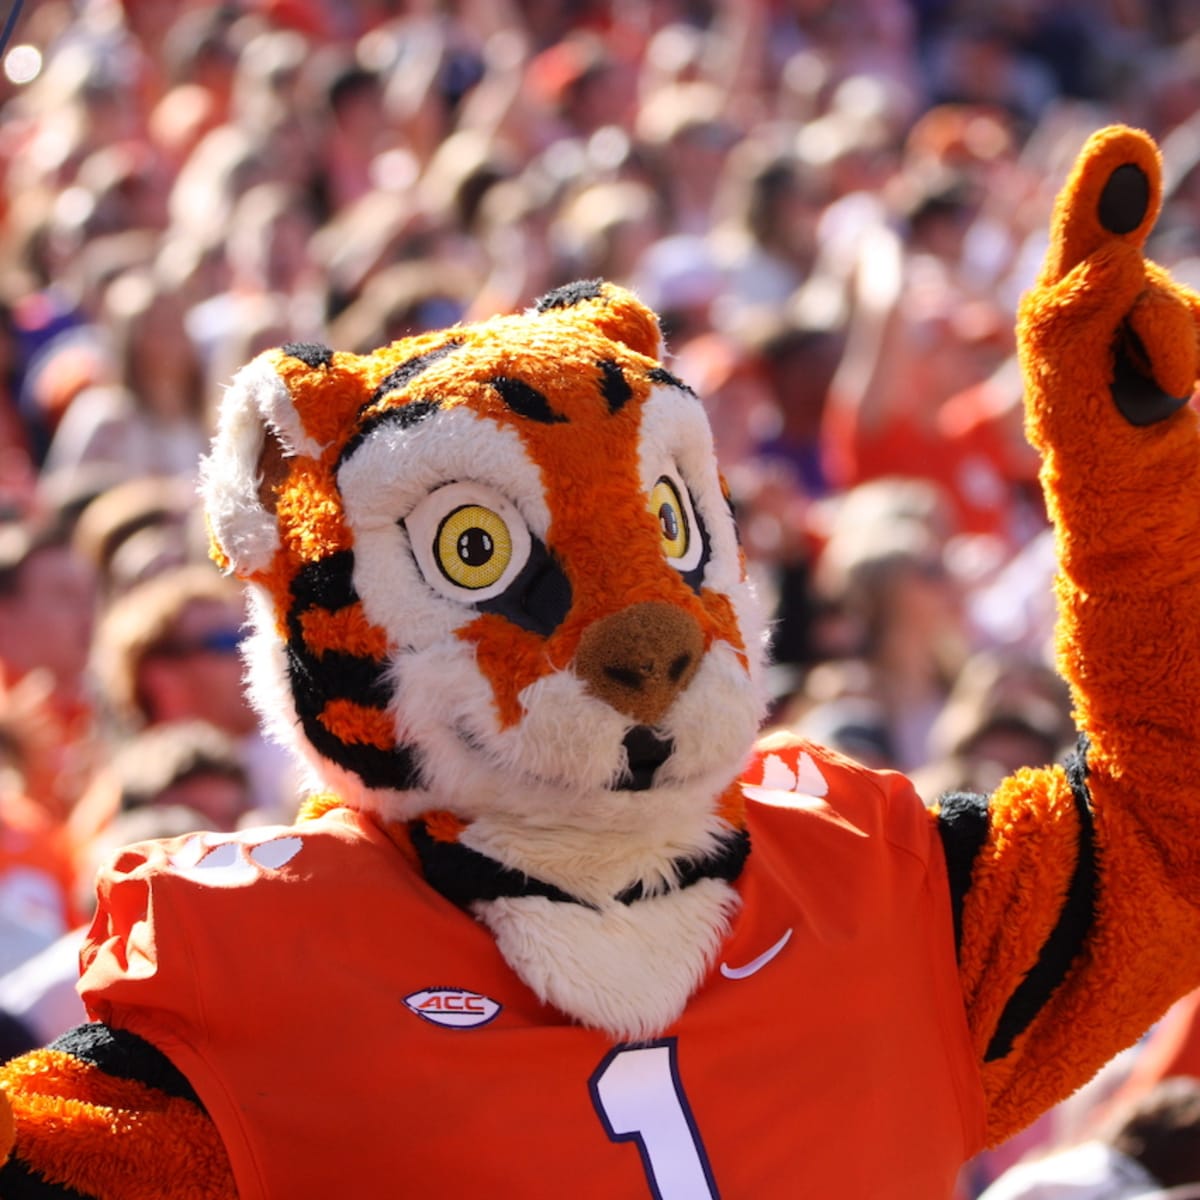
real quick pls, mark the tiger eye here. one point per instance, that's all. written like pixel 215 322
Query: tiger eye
pixel 473 547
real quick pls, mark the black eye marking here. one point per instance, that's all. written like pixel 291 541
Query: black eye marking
pixel 539 598
pixel 570 294
pixel 526 401
pixel 695 577
pixel 311 354
pixel 731 506
pixel 614 386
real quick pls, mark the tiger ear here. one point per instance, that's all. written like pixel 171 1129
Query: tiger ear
pixel 615 312
pixel 258 430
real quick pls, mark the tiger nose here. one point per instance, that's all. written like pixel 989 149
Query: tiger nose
pixel 639 659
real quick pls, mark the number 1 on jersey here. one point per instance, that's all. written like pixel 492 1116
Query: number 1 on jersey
pixel 638 1094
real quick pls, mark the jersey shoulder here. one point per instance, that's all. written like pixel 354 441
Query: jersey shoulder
pixel 174 914
pixel 792 786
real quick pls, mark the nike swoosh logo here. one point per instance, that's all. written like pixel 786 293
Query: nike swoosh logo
pixel 756 964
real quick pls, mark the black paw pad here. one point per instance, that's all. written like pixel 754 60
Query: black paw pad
pixel 1125 199
pixel 1138 398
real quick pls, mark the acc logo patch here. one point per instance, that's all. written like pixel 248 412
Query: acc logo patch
pixel 454 1008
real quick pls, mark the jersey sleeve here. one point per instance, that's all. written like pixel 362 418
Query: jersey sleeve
pixel 1077 909
pixel 103 1112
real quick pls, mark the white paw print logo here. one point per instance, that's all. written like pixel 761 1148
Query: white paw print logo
pixel 234 860
pixel 785 785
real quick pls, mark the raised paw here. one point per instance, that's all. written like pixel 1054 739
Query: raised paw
pixel 1113 195
pixel 1102 320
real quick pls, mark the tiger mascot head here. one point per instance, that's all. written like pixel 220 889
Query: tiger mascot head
pixel 497 594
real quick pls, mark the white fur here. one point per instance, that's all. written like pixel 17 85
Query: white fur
pixel 453 446
pixel 558 764
pixel 675 433
pixel 256 399
pixel 596 869
pixel 628 969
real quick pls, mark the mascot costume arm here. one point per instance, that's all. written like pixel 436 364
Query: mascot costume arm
pixel 1098 866
pixel 1074 892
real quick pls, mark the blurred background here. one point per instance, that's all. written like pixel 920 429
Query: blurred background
pixel 834 206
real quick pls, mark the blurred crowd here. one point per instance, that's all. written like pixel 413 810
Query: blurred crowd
pixel 833 204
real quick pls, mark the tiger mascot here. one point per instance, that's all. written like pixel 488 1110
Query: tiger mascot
pixel 551 922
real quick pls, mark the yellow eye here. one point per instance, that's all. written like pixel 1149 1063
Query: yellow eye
pixel 668 509
pixel 473 546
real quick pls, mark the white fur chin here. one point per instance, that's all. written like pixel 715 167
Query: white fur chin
pixel 628 970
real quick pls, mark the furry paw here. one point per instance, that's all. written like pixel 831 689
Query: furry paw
pixel 1102 321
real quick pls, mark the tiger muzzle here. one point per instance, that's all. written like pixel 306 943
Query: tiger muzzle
pixel 640 659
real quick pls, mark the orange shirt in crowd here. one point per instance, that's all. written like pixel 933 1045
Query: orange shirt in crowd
pixel 37 880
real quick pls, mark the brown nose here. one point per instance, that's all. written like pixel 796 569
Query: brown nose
pixel 638 660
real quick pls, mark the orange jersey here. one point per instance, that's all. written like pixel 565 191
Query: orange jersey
pixel 352 1032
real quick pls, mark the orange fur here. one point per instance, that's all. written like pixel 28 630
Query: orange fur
pixel 348 630
pixel 110 1138
pixel 444 826
pixel 1033 822
pixel 1125 502
pixel 358 725
pixel 511 658
pixel 318 804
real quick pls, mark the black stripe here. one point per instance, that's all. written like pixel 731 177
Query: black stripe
pixel 327 583
pixel 21 1182
pixel 334 675
pixel 464 876
pixel 122 1054
pixel 963 827
pixel 1138 398
pixel 119 1054
pixel 726 863
pixel 570 294
pixel 614 386
pixel 311 354
pixel 408 370
pixel 1069 933
pixel 315 679
pixel 526 401
pixel 663 376
pixel 402 416
pixel 396 768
